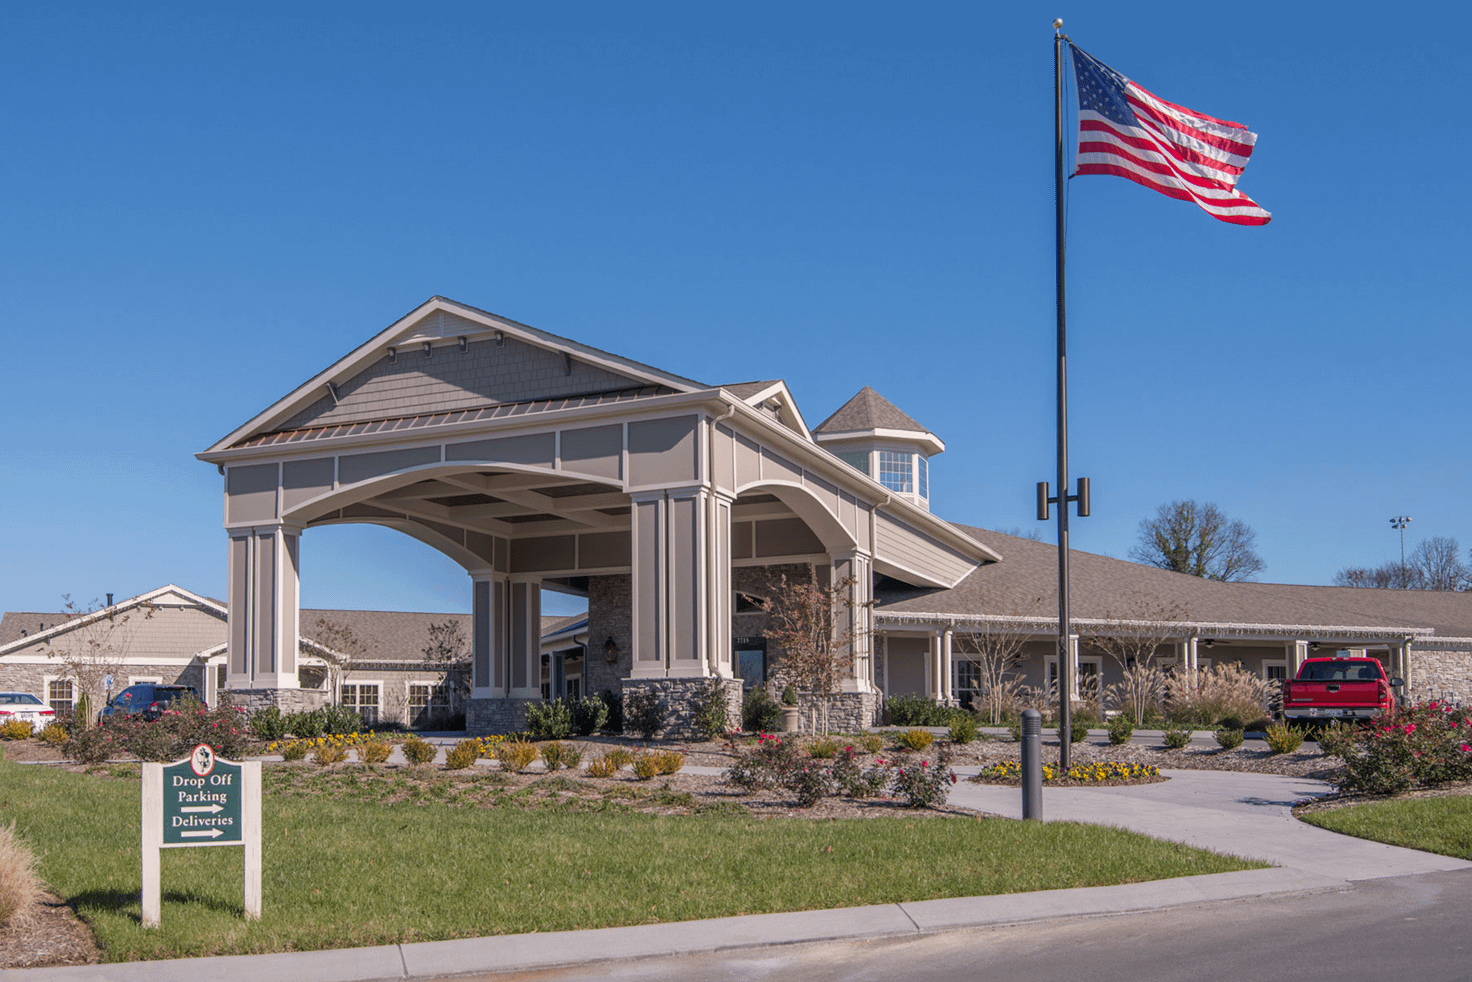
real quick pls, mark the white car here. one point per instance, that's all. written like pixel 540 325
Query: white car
pixel 26 708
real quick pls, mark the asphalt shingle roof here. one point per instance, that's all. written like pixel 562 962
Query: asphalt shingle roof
pixel 868 410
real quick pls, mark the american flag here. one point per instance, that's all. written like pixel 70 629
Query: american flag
pixel 1128 132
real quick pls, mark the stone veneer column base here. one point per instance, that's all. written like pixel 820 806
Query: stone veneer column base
pixel 286 700
pixel 848 712
pixel 491 716
pixel 681 698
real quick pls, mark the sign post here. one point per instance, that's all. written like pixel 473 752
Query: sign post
pixel 201 800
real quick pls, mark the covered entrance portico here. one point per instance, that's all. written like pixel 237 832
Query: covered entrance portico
pixel 538 463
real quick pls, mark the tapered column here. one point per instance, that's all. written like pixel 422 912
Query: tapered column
pixel 1297 652
pixel 1073 689
pixel 681 583
pixel 947 684
pixel 489 634
pixel 265 601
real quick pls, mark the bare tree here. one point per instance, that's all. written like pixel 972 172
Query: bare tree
pixel 805 617
pixel 1133 636
pixel 995 645
pixel 96 648
pixel 1435 564
pixel 1190 537
pixel 447 651
pixel 340 647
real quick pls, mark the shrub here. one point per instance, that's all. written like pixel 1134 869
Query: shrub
pixel 53 734
pixel 667 761
pixel 1121 728
pixel 296 750
pixel 615 704
pixel 963 730
pixel 601 766
pixel 516 755
pixel 915 739
pixel 1015 728
pixel 789 695
pixel 621 756
pixel 1231 722
pixel 418 750
pixel 340 719
pixel 852 780
pixel 871 743
pixel 374 751
pixel 644 767
pixel 923 785
pixel 810 783
pixel 824 749
pixel 760 713
pixel 1078 729
pixel 589 715
pixel 268 723
pixel 712 715
pixel 1229 737
pixel 462 755
pixel 768 765
pixel 1283 739
pixel 20 886
pixel 308 725
pixel 549 720
pixel 1337 740
pixel 93 744
pixel 644 713
pixel 329 753
pixel 15 729
pixel 557 755
pixel 1420 746
pixel 917 711
pixel 1175 739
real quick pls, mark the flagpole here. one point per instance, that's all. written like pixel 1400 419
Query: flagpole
pixel 1065 707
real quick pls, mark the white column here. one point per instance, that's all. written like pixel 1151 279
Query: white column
pixel 1073 691
pixel 1405 667
pixel 1296 652
pixel 947 669
pixel 1192 657
pixel 854 618
pixel 263 624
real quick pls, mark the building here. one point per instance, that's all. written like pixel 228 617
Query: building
pixel 537 462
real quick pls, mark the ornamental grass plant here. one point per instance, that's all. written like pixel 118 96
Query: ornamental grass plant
pixel 20 886
pixel 1282 738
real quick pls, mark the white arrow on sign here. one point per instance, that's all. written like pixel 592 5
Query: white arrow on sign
pixel 202 808
pixel 210 834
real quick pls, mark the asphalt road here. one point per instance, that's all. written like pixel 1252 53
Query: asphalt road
pixel 1417 927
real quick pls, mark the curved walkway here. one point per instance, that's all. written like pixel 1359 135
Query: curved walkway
pixel 1243 814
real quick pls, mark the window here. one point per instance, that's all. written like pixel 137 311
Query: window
pixel 922 466
pixel 427 702
pixel 897 471
pixel 363 700
pixel 1089 670
pixel 967 683
pixel 1275 670
pixel 857 459
pixel 60 696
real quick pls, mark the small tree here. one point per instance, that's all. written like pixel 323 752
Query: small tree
pixel 995 645
pixel 96 648
pixel 447 651
pixel 340 647
pixel 1133 638
pixel 804 623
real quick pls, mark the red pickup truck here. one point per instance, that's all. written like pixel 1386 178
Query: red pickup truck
pixel 1339 688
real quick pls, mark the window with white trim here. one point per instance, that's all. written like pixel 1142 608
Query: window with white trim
pixel 427 702
pixel 1090 669
pixel 967 683
pixel 1275 669
pixel 897 471
pixel 361 698
pixel 61 695
pixel 922 469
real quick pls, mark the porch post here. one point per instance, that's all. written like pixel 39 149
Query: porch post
pixel 1073 690
pixel 855 617
pixel 947 687
pixel 488 636
pixel 1297 652
pixel 681 583
pixel 263 623
pixel 525 650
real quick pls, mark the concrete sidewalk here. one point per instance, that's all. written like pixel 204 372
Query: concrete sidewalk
pixel 1244 814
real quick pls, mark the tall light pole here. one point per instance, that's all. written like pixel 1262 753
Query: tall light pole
pixel 1400 522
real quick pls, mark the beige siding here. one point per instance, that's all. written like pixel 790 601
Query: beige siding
pixel 662 451
pixel 595 450
pixel 909 549
pixel 250 493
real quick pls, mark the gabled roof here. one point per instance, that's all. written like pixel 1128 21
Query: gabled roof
pixel 441 319
pixel 870 414
pixel 774 399
pixel 17 631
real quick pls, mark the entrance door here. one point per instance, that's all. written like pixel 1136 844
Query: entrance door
pixel 751 661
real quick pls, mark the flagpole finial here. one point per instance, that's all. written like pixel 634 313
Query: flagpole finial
pixel 1057 23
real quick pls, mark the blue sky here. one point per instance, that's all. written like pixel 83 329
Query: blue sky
pixel 204 205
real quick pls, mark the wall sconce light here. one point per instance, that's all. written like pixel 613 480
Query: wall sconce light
pixel 463 342
pixel 500 340
pixel 393 354
pixel 610 651
pixel 428 350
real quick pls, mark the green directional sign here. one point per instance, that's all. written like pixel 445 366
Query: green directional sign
pixel 202 798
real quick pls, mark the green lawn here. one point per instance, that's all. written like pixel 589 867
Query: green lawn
pixel 1439 825
pixel 467 858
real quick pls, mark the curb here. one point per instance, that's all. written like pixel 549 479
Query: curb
pixel 521 952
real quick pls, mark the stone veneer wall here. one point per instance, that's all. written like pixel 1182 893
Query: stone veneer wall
pixel 486 716
pixel 848 712
pixel 680 699
pixel 32 677
pixel 1441 675
pixel 286 700
pixel 610 613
